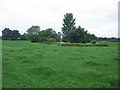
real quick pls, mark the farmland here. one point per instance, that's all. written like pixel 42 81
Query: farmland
pixel 38 65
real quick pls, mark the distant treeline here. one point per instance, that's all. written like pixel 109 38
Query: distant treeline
pixel 112 39
pixel 44 35
pixel 34 34
pixel 69 33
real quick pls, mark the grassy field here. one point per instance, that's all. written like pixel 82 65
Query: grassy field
pixel 36 65
pixel 0 64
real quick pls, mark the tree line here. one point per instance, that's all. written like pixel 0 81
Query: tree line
pixel 33 33
pixel 8 34
pixel 69 33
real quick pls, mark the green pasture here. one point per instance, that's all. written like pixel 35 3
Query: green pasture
pixel 37 65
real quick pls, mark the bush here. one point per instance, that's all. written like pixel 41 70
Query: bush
pixel 74 44
pixel 42 39
pixel 47 40
pixel 81 44
pixel 51 40
pixel 102 45
pixel 93 41
pixel 33 41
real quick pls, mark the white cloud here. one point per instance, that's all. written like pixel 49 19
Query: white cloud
pixel 97 16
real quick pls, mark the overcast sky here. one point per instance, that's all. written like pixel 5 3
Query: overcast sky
pixel 99 17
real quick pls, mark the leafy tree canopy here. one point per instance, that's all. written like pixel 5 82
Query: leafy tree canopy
pixel 32 33
pixel 8 34
pixel 68 25
pixel 74 34
pixel 48 34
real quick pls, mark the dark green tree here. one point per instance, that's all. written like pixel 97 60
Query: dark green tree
pixel 78 36
pixel 23 37
pixel 68 26
pixel 8 34
pixel 93 37
pixel 32 33
pixel 48 35
pixel 15 35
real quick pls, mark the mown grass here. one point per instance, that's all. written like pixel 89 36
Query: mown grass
pixel 37 65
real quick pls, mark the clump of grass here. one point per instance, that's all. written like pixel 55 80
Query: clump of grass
pixel 27 61
pixel 11 50
pixel 93 41
pixel 91 63
pixel 113 83
pixel 43 70
pixel 93 57
pixel 117 59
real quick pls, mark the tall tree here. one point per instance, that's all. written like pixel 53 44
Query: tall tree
pixel 68 25
pixel 32 33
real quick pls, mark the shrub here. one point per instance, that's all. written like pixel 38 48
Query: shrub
pixel 102 45
pixel 33 41
pixel 93 41
pixel 51 40
pixel 42 39
pixel 81 44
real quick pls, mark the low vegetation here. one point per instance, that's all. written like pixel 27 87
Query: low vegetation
pixel 38 65
pixel 81 44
